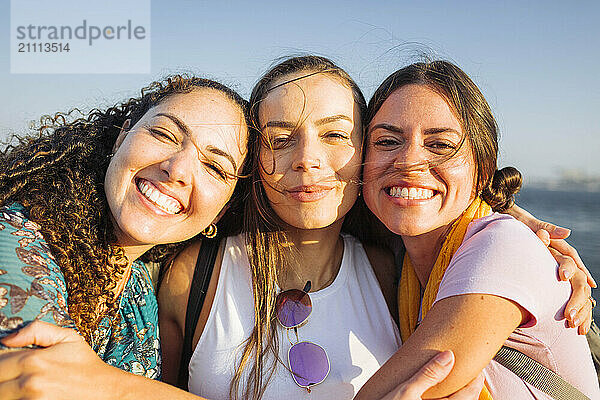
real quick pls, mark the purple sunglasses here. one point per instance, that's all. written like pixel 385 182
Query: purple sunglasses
pixel 308 362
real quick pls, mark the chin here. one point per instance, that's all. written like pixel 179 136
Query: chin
pixel 405 226
pixel 313 222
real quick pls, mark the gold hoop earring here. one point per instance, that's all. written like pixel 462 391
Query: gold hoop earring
pixel 210 231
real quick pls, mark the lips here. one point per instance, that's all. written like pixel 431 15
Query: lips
pixel 154 195
pixel 309 193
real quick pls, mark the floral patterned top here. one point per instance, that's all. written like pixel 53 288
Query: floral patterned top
pixel 32 287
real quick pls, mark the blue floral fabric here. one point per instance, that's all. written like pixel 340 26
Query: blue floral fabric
pixel 32 287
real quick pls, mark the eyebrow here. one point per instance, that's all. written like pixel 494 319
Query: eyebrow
pixel 430 131
pixel 387 127
pixel 219 152
pixel 180 124
pixel 280 124
pixel 293 125
pixel 333 118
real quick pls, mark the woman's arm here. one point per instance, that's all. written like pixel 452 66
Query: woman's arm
pixel 473 326
pixel 500 271
pixel 432 373
pixel 578 311
pixel 32 286
pixel 68 369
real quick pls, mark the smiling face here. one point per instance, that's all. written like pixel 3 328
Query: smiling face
pixel 168 178
pixel 414 183
pixel 310 175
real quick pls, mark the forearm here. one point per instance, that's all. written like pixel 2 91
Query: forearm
pixel 133 387
pixel 474 327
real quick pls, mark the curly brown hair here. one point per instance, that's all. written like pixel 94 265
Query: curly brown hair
pixel 57 173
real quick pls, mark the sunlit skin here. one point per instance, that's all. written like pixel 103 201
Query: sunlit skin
pixel 188 147
pixel 411 144
pixel 314 128
pixel 419 178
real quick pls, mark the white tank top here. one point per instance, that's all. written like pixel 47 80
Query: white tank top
pixel 350 320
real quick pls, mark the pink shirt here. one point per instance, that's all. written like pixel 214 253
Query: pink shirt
pixel 502 257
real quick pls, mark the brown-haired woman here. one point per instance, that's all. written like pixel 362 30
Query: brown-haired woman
pixel 472 281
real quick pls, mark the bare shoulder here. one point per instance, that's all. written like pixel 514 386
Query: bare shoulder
pixel 175 287
pixel 382 261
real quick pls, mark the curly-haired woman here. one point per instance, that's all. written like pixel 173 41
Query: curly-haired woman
pixel 83 202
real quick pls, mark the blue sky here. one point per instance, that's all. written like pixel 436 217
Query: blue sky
pixel 536 62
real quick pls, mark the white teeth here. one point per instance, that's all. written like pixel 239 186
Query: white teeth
pixel 162 201
pixel 410 193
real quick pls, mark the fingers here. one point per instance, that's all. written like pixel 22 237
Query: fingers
pixel 555 232
pixel 471 391
pixel 24 384
pixel 39 333
pixel 544 236
pixel 432 373
pixel 559 232
pixel 10 365
pixel 585 314
pixel 566 266
pixel 567 250
pixel 11 390
pixel 578 309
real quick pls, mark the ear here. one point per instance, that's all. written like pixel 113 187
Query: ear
pixel 122 134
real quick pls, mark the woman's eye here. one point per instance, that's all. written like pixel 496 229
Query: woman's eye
pixel 279 142
pixel 163 135
pixel 386 142
pixel 217 170
pixel 442 146
pixel 337 135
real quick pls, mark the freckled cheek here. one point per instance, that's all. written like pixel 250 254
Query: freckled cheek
pixel 270 182
pixel 273 162
pixel 376 165
pixel 210 199
pixel 459 177
pixel 350 171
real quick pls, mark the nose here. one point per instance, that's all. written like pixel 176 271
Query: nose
pixel 307 155
pixel 179 166
pixel 412 157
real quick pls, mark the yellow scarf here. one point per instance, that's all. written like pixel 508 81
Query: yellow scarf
pixel 409 291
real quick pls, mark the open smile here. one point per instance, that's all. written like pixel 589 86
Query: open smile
pixel 162 201
pixel 410 193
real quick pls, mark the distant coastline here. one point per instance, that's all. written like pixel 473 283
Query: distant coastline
pixel 567 180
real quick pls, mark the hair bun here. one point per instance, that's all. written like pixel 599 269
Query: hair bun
pixel 501 191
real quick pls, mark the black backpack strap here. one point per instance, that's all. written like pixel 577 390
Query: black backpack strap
pixel 202 273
